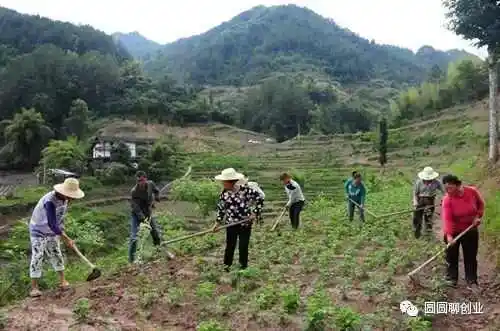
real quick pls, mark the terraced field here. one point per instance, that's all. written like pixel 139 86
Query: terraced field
pixel 329 275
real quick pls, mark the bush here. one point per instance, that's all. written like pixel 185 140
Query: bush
pixel 90 183
pixel 114 174
pixel 64 154
pixel 204 193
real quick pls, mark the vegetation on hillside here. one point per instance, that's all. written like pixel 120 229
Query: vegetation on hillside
pixel 477 20
pixel 289 39
pixel 138 46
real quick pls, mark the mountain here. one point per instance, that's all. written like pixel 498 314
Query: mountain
pixel 429 56
pixel 137 45
pixel 22 33
pixel 264 41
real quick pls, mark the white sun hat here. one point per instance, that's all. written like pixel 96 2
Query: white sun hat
pixel 428 174
pixel 229 174
pixel 243 181
pixel 70 188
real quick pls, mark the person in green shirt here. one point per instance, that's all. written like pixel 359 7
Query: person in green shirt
pixel 356 193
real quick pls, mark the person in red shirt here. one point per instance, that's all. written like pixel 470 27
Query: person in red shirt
pixel 462 206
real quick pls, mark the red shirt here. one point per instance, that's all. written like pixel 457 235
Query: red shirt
pixel 459 211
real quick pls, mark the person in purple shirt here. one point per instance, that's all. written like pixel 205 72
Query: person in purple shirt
pixel 46 227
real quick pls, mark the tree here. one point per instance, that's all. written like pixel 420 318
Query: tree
pixel 384 134
pixel 64 154
pixel 26 135
pixel 477 20
pixel 77 124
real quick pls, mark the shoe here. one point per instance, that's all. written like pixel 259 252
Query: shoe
pixel 35 293
pixel 417 234
pixel 473 286
pixel 451 282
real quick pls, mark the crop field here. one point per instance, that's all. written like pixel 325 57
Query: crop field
pixel 331 274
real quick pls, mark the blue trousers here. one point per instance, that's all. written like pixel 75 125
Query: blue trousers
pixel 134 229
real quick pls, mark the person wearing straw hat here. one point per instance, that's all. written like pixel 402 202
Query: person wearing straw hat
pixel 424 195
pixel 46 227
pixel 143 195
pixel 235 205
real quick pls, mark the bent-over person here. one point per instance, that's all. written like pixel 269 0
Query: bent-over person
pixel 424 198
pixel 143 195
pixel 47 227
pixel 462 207
pixel 296 199
pixel 356 194
pixel 235 205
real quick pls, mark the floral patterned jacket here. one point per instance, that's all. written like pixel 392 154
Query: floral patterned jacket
pixel 236 206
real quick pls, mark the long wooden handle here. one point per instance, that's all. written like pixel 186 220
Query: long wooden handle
pixel 77 251
pixel 202 233
pixel 451 243
pixel 278 219
pixel 357 205
pixel 407 211
pixel 172 182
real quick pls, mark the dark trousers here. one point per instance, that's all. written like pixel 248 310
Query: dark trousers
pixel 423 215
pixel 470 244
pixel 350 211
pixel 134 230
pixel 232 235
pixel 294 213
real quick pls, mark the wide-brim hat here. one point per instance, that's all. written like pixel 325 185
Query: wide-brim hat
pixel 243 181
pixel 428 174
pixel 70 188
pixel 229 174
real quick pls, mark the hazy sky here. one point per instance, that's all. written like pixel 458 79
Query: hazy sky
pixel 407 23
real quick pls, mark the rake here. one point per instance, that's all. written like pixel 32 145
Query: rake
pixel 423 265
pixel 95 273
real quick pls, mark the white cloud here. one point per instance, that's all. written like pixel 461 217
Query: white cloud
pixel 407 23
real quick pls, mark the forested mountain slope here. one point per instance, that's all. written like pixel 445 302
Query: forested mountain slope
pixel 138 45
pixel 21 33
pixel 289 39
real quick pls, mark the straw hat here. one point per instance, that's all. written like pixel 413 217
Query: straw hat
pixel 428 174
pixel 243 181
pixel 70 188
pixel 229 174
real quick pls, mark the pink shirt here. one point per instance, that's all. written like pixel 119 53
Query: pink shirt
pixel 459 211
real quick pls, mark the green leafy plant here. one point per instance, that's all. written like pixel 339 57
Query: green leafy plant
pixel 204 193
pixel 81 310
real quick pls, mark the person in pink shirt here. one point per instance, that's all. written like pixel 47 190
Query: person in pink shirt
pixel 462 206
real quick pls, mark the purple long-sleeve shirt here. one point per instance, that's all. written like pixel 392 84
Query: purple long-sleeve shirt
pixel 48 216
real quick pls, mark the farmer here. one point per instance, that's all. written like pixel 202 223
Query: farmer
pixel 462 207
pixel 46 227
pixel 356 193
pixel 235 205
pixel 143 195
pixel 424 195
pixel 253 185
pixel 295 199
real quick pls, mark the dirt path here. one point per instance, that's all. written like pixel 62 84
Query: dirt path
pixel 488 296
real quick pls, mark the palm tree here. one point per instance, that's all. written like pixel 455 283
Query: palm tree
pixel 25 136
